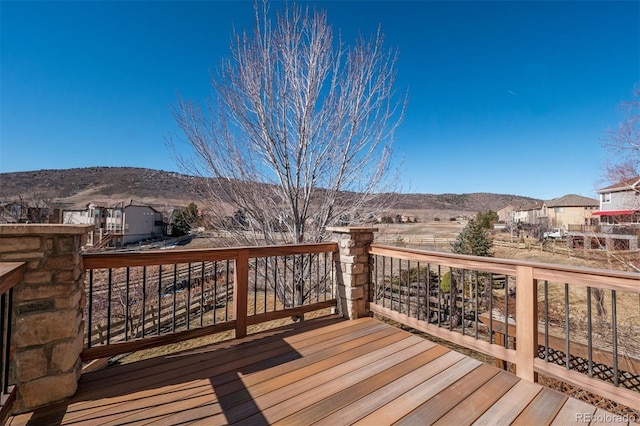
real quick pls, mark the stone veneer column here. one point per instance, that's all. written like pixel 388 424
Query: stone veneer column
pixel 48 330
pixel 353 270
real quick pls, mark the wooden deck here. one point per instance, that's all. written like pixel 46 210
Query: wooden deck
pixel 325 371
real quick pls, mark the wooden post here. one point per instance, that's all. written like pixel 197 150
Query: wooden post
pixel 240 291
pixel 526 323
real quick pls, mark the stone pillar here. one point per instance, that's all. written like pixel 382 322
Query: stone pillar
pixel 47 330
pixel 352 266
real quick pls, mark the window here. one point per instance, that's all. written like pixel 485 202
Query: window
pixel 605 197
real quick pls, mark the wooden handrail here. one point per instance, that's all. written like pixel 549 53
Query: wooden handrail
pixel 10 275
pixel 159 257
pixel 573 275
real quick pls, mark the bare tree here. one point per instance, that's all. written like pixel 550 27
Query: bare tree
pixel 298 133
pixel 30 207
pixel 623 143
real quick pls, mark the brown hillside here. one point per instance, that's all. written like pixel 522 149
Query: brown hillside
pixel 74 187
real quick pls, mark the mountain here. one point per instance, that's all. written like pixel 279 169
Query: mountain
pixel 75 187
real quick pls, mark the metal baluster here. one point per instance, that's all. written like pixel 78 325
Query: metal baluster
pixel 275 283
pixel 506 311
pixel 109 283
pixel 90 310
pixel 566 328
pixel 439 295
pixel 614 330
pixel 203 266
pixel 491 307
pixel 546 321
pixel 462 315
pixel 266 282
pixel 126 304
pixel 255 287
pixel 175 279
pixel 589 334
pixel 226 305
pixel 144 298
pixel 159 296
pixel 476 296
pixel 215 292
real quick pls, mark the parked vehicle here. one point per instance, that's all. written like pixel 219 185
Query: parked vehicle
pixel 555 233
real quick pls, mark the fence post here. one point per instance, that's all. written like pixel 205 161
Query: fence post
pixel 352 269
pixel 526 323
pixel 241 291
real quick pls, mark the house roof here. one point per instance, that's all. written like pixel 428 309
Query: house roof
pixel 633 183
pixel 109 205
pixel 535 206
pixel 573 200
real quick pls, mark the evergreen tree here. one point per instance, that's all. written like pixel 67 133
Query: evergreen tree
pixel 473 240
pixel 185 219
pixel 487 219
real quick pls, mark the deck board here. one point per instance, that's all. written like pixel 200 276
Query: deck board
pixel 325 372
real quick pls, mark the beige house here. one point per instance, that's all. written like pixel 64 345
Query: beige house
pixel 569 210
pixel 529 214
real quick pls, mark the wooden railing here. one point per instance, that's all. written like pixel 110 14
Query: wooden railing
pixel 10 275
pixel 446 295
pixel 146 299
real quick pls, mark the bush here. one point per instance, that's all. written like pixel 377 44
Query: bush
pixel 445 285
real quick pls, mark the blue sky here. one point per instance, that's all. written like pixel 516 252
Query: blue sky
pixel 507 97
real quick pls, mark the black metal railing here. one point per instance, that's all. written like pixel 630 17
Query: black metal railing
pixel 454 299
pixel 578 325
pixel 597 327
pixel 138 295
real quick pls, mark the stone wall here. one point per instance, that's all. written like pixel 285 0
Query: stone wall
pixel 352 268
pixel 47 331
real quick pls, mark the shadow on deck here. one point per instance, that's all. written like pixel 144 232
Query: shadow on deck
pixel 326 371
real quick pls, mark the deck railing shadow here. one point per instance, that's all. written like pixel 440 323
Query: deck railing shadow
pixel 200 372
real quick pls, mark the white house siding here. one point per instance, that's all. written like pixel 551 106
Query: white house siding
pixel 621 200
pixel 139 224
pixel 75 217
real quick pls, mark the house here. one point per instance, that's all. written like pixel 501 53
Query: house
pixel 568 210
pixel 528 215
pixel 620 204
pixel 117 224
pixel 616 224
pixel 505 214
